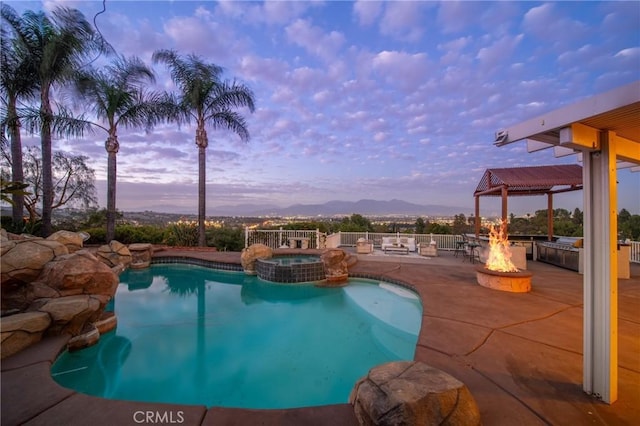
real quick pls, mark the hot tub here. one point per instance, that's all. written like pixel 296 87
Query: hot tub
pixel 291 269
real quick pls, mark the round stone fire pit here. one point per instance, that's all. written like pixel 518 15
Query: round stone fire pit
pixel 517 282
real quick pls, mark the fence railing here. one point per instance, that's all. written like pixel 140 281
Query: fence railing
pixel 285 238
pixel 634 255
pixel 315 239
pixel 443 241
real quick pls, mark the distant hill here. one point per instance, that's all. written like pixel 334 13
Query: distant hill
pixel 163 213
pixel 331 208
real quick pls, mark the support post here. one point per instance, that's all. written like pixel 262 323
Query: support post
pixel 600 317
pixel 477 216
pixel 549 216
pixel 504 193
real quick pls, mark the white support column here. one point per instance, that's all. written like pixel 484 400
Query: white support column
pixel 600 362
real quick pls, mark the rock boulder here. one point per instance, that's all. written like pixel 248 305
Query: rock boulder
pixel 70 314
pixel 336 265
pixel 72 240
pixel 47 291
pixel 141 255
pixel 114 254
pixel 22 330
pixel 250 254
pixel 22 264
pixel 412 393
pixel 77 273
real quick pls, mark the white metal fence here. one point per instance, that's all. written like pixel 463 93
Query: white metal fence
pixel 634 256
pixel 284 238
pixel 315 239
pixel 443 241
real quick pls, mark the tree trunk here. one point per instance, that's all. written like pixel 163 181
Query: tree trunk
pixel 202 142
pixel 112 146
pixel 47 170
pixel 17 171
pixel 202 196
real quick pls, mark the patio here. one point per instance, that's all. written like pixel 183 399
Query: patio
pixel 520 354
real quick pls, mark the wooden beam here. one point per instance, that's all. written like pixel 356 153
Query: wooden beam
pixel 496 190
pixel 626 149
pixel 569 189
pixel 580 137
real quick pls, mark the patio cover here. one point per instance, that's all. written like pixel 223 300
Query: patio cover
pixel 605 131
pixel 536 180
pixel 530 180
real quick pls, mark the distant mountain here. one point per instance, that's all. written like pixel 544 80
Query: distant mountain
pixel 331 208
pixel 242 210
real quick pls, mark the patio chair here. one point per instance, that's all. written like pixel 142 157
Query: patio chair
pixel 472 251
pixel 461 246
pixel 364 246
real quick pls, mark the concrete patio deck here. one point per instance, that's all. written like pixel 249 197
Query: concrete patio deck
pixel 520 354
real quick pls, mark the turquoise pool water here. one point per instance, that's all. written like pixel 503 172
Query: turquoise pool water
pixel 193 335
pixel 292 260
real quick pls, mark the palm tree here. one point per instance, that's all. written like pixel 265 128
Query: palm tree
pixel 17 81
pixel 56 45
pixel 210 102
pixel 116 96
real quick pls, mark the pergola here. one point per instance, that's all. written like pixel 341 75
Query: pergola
pixel 605 131
pixel 521 181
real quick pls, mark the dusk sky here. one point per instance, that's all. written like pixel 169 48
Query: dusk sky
pixel 376 100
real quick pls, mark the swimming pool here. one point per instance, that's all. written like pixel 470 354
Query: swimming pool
pixel 193 335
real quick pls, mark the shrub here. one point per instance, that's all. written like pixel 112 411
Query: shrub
pixel 96 235
pixel 226 239
pixel 128 234
pixel 182 234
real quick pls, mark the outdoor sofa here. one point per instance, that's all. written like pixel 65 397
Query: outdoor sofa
pixel 408 242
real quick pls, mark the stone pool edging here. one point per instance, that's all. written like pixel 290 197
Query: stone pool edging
pixel 168 260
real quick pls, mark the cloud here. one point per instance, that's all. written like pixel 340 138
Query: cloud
pixel 263 70
pixel 632 54
pixel 366 12
pixel 314 40
pixel 547 23
pixel 498 54
pixel 458 16
pixel 198 34
pixel 401 69
pixel 404 20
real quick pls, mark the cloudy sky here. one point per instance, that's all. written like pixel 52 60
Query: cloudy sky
pixel 376 100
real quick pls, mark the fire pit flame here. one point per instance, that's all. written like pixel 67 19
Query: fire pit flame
pixel 499 258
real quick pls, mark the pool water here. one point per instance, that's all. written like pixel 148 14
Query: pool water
pixel 292 260
pixel 193 335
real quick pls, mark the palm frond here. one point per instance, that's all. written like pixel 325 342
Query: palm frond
pixel 63 123
pixel 230 120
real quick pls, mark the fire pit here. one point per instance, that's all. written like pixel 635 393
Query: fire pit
pixel 499 273
pixel 517 282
